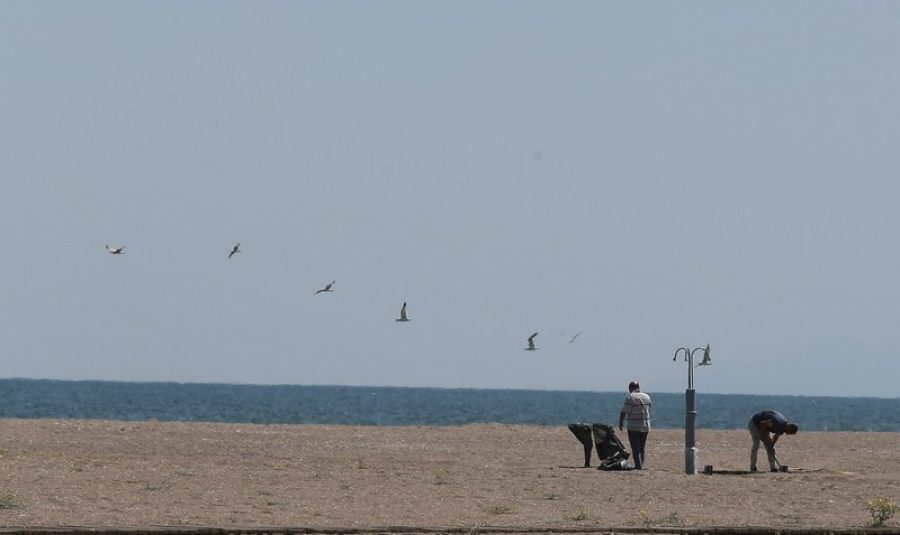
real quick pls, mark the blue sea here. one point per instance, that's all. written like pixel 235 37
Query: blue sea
pixel 363 405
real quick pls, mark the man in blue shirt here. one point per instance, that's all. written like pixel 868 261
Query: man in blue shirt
pixel 760 426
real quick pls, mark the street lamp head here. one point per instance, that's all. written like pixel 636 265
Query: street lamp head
pixel 679 350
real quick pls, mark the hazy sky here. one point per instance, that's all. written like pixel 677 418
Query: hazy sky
pixel 654 174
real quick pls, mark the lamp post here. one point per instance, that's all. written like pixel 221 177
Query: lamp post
pixel 690 412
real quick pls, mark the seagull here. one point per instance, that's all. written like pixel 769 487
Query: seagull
pixel 327 288
pixel 234 250
pixel 403 316
pixel 115 250
pixel 573 337
pixel 531 346
pixel 707 361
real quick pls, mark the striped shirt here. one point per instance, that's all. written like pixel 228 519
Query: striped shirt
pixel 637 411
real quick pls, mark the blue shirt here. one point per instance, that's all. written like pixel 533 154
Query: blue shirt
pixel 779 422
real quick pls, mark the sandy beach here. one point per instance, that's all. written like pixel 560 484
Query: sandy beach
pixel 104 473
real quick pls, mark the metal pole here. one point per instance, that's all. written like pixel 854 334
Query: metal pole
pixel 690 444
pixel 690 414
pixel 690 359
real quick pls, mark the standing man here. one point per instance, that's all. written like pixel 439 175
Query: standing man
pixel 761 424
pixel 637 411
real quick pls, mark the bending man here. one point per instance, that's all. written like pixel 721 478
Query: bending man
pixel 760 426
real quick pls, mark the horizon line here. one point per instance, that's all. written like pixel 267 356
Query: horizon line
pixel 517 389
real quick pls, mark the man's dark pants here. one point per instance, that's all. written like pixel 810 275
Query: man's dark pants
pixel 637 440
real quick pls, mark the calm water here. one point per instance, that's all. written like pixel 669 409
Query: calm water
pixel 352 405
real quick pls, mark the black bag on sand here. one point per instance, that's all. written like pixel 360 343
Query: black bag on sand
pixel 614 463
pixel 603 436
pixel 613 455
pixel 583 433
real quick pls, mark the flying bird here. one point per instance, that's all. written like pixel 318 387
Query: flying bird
pixel 327 288
pixel 707 361
pixel 115 250
pixel 531 346
pixel 403 316
pixel 571 338
pixel 234 250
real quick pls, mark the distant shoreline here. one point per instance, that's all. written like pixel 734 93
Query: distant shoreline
pixel 153 421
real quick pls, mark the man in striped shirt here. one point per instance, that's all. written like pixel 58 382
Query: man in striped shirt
pixel 637 411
